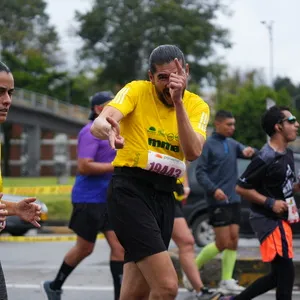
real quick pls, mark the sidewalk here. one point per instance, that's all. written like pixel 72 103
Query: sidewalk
pixel 248 266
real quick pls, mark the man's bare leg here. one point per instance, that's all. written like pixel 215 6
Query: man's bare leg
pixel 134 285
pixel 185 242
pixel 160 274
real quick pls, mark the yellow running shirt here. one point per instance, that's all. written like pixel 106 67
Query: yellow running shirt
pixel 150 128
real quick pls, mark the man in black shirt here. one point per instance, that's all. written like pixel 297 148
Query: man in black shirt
pixel 269 183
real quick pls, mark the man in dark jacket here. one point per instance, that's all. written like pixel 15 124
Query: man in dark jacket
pixel 217 172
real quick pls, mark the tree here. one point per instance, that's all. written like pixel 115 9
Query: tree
pixel 247 105
pixel 292 89
pixel 286 83
pixel 24 25
pixel 120 34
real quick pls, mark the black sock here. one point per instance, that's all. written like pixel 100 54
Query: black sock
pixel 64 271
pixel 116 269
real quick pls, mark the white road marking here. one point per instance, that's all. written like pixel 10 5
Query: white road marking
pixel 67 287
pixel 91 288
pixel 52 267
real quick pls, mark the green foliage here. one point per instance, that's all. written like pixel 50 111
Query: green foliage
pixel 248 105
pixel 24 25
pixel 285 83
pixel 32 72
pixel 59 207
pixel 120 34
pixel 32 181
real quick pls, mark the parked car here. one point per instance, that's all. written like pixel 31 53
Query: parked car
pixel 16 226
pixel 195 208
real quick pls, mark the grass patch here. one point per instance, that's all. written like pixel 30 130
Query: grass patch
pixel 59 206
pixel 33 181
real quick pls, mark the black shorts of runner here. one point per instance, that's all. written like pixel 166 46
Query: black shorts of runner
pixel 225 215
pixel 141 209
pixel 88 219
pixel 178 209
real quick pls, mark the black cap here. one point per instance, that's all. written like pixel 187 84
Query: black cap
pixel 98 99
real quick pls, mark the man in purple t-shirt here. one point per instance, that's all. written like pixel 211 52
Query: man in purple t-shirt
pixel 89 214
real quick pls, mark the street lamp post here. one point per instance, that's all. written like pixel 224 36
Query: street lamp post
pixel 269 26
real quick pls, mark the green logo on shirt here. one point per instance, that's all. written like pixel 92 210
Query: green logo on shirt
pixel 162 144
pixel 152 129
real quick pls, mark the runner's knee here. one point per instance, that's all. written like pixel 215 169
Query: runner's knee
pixel 222 244
pixel 233 244
pixel 166 290
pixel 186 243
pixel 86 249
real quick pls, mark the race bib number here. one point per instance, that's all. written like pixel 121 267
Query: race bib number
pixel 165 164
pixel 293 215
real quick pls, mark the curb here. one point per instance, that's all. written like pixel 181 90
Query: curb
pixel 56 230
pixel 247 269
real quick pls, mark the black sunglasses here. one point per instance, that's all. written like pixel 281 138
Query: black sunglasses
pixel 291 120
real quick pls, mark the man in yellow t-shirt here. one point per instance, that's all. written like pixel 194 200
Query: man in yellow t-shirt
pixel 25 209
pixel 161 123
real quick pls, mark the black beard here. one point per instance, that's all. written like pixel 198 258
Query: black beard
pixel 164 101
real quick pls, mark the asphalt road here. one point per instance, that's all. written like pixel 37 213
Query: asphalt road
pixel 26 264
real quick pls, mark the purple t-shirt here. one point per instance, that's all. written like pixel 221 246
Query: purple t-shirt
pixel 92 188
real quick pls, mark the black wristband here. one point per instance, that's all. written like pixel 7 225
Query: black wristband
pixel 269 203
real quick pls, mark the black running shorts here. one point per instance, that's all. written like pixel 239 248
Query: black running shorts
pixel 178 209
pixel 141 210
pixel 225 215
pixel 88 219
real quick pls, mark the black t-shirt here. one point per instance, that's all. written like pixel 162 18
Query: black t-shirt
pixel 271 174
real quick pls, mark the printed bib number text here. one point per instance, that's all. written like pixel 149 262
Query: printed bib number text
pixel 165 164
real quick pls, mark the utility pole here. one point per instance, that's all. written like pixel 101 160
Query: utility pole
pixel 269 26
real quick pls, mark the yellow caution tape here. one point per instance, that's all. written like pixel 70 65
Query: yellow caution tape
pixel 43 238
pixel 38 190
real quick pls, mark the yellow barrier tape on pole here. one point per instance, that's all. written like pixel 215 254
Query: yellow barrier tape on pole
pixel 42 238
pixel 38 190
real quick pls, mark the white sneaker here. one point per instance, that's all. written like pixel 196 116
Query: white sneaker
pixel 186 283
pixel 230 287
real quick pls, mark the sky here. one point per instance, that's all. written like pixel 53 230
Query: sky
pixel 250 38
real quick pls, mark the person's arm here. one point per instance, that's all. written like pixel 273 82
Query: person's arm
pixel 296 187
pixel 87 166
pixel 191 142
pixel 251 195
pixel 249 181
pixel 186 186
pixel 244 151
pixel 106 125
pixel 10 207
pixel 101 127
pixel 87 149
pixel 202 171
pixel 26 209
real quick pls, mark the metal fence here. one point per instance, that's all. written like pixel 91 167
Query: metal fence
pixel 51 105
